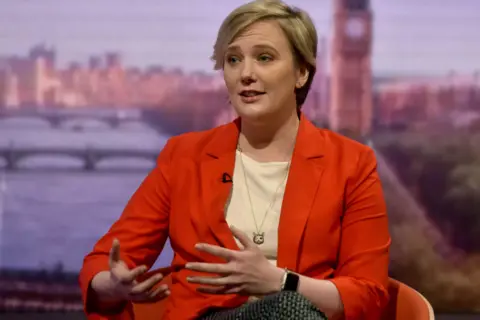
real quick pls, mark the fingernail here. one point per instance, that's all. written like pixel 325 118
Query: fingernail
pixel 187 266
pixel 167 292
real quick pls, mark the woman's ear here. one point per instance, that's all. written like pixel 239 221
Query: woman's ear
pixel 302 77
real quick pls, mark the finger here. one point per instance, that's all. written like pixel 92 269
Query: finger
pixel 159 293
pixel 212 290
pixel 221 290
pixel 243 238
pixel 221 268
pixel 126 276
pixel 146 285
pixel 216 250
pixel 215 281
pixel 114 253
pixel 152 296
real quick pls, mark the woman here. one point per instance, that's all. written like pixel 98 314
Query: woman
pixel 271 216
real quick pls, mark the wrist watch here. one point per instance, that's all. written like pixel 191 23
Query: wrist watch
pixel 290 281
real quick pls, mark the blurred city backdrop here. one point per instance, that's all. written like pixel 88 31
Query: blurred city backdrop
pixel 91 90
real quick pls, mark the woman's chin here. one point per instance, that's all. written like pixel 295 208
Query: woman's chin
pixel 253 111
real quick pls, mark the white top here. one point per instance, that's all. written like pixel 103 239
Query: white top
pixel 266 183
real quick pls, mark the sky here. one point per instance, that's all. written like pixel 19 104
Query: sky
pixel 411 37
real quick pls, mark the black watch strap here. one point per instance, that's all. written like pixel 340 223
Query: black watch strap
pixel 291 281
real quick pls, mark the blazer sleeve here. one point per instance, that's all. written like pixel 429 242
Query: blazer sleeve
pixel 362 271
pixel 142 230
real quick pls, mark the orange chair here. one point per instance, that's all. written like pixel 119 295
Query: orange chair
pixel 405 304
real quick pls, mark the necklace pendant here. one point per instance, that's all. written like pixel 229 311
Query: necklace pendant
pixel 258 238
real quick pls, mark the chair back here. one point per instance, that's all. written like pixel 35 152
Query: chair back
pixel 406 303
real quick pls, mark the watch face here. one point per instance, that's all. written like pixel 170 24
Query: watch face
pixel 355 28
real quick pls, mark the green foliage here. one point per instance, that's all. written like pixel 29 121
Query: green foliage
pixel 443 173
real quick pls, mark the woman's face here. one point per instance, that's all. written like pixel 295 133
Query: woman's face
pixel 260 72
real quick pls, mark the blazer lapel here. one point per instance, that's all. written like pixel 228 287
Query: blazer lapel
pixel 302 185
pixel 219 159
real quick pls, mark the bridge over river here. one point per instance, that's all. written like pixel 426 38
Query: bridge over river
pixel 56 118
pixel 90 156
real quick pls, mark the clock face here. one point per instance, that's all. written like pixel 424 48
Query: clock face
pixel 356 5
pixel 355 28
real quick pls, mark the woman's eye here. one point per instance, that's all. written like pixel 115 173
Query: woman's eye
pixel 233 59
pixel 265 58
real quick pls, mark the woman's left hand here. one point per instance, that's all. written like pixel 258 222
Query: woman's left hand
pixel 246 271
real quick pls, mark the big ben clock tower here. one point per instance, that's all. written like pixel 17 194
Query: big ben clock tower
pixel 351 73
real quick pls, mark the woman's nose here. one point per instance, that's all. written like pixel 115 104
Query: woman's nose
pixel 248 72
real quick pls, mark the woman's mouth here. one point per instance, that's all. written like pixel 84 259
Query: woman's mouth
pixel 250 96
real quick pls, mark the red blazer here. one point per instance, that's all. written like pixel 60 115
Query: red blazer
pixel 333 221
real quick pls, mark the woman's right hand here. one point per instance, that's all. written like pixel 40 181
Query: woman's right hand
pixel 120 284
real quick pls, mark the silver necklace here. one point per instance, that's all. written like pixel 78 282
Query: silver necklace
pixel 259 236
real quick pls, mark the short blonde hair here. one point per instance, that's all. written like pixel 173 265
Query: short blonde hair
pixel 295 23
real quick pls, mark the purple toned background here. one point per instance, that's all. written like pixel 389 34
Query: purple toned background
pixel 91 90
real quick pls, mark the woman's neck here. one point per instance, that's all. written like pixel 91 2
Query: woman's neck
pixel 272 141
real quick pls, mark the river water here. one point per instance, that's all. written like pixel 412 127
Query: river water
pixel 51 211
